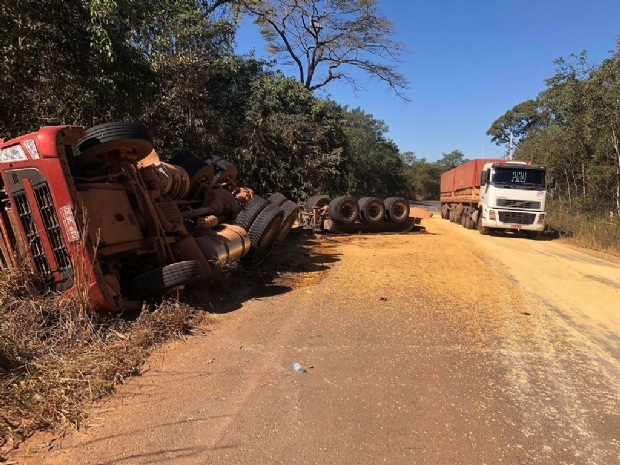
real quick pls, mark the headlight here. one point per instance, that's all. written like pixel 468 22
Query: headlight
pixel 492 215
pixel 541 218
pixel 12 153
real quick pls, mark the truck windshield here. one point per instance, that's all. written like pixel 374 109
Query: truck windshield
pixel 519 177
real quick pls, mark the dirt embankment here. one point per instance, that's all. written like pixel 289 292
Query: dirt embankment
pixel 441 348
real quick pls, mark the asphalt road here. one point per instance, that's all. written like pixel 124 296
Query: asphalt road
pixel 432 205
pixel 439 348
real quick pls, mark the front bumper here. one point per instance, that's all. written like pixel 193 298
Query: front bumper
pixel 523 220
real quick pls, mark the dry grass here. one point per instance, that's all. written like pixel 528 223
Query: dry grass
pixel 57 356
pixel 588 230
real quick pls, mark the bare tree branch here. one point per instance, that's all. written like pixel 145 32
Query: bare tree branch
pixel 332 34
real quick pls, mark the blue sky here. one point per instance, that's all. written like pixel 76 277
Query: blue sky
pixel 471 61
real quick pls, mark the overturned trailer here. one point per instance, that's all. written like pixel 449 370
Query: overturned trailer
pixel 97 207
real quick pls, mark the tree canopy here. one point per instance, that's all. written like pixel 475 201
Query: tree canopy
pixel 171 65
pixel 573 128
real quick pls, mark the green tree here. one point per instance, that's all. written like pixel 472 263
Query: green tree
pixel 603 113
pixel 53 70
pixel 376 167
pixel 290 141
pixel 451 160
pixel 521 120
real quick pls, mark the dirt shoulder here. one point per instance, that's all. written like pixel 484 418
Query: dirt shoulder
pixel 441 348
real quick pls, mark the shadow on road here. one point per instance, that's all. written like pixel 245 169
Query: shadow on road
pixel 301 260
pixel 542 236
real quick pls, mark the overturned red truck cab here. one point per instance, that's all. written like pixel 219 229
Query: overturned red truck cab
pixel 97 208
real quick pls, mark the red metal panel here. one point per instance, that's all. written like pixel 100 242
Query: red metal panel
pixel 50 165
pixel 447 181
pixel 466 175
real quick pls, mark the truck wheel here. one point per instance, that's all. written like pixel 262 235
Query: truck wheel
pixel 344 210
pixel 396 209
pixel 291 212
pixel 250 211
pixel 483 229
pixel 372 210
pixel 464 218
pixel 225 172
pixel 263 232
pixel 470 224
pixel 276 199
pixel 445 214
pixel 132 139
pixel 532 235
pixel 317 201
pixel 156 282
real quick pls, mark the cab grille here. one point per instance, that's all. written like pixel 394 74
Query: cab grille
pixel 527 204
pixel 54 233
pixel 517 217
pixel 32 235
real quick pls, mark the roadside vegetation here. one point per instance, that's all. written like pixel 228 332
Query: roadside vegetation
pixel 57 356
pixel 573 129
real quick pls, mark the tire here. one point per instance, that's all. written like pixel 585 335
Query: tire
pixel 211 158
pixel 483 229
pixel 445 214
pixel 135 140
pixel 532 235
pixel 277 198
pixel 464 218
pixel 317 201
pixel 250 211
pixel 344 210
pixel 225 172
pixel 156 282
pixel 196 167
pixel 291 211
pixel 396 209
pixel 470 224
pixel 372 210
pixel 263 232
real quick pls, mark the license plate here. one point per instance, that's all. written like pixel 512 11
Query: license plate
pixel 515 226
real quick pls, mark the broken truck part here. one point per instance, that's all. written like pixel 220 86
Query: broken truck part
pixel 494 194
pixel 97 207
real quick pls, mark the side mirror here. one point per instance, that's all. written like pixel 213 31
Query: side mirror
pixel 484 178
pixel 551 185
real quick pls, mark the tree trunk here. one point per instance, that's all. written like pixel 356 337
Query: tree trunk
pixel 568 188
pixel 616 142
pixel 583 176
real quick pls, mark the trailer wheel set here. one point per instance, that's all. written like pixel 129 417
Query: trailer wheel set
pixel 346 215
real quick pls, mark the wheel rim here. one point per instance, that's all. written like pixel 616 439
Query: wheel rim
pixel 346 211
pixel 374 211
pixel 399 210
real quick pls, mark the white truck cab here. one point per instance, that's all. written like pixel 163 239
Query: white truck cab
pixel 512 196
